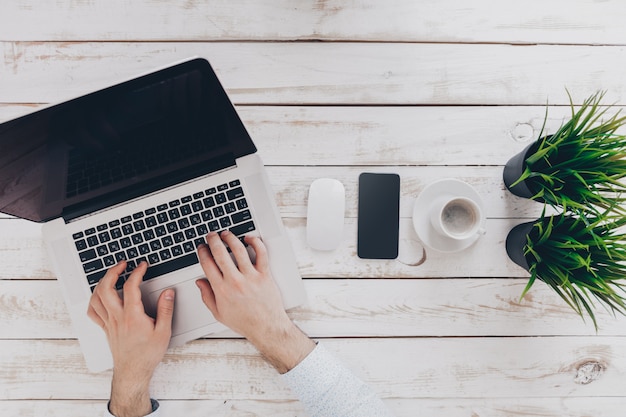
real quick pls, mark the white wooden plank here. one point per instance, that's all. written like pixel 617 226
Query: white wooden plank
pixel 327 73
pixel 23 256
pixel 448 407
pixel 360 308
pixel 395 368
pixel 533 21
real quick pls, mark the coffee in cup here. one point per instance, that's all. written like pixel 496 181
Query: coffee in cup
pixel 456 217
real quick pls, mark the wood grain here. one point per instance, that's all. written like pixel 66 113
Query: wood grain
pixel 337 73
pixel 396 368
pixel 533 21
pixel 449 407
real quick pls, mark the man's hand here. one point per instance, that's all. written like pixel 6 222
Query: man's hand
pixel 244 297
pixel 138 342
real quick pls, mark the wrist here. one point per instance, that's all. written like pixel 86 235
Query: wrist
pixel 284 346
pixel 130 397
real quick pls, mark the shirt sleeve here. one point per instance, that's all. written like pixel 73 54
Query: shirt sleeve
pixel 326 388
pixel 155 410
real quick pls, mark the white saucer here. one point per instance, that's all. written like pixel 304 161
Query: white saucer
pixel 421 217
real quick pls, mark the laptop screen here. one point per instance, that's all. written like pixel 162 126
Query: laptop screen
pixel 119 143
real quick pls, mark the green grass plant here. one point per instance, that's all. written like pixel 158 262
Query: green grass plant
pixel 582 258
pixel 580 167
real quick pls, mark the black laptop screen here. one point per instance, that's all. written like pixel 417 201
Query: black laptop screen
pixel 119 143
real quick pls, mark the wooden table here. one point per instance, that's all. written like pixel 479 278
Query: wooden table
pixel 426 89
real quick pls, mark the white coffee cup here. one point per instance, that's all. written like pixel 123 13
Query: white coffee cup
pixel 457 218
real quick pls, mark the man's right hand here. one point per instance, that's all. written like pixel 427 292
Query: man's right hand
pixel 244 297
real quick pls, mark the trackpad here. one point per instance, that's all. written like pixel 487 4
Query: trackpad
pixel 189 311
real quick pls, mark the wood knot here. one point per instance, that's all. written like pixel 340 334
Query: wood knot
pixel 588 372
pixel 522 132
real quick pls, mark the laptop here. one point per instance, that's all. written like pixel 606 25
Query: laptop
pixel 142 170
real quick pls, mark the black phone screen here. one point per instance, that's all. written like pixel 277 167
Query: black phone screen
pixel 379 216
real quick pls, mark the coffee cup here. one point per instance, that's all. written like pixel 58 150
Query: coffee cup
pixel 457 218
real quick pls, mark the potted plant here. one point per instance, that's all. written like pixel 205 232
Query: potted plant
pixel 582 258
pixel 579 167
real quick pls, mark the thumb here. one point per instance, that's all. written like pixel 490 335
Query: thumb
pixel 208 296
pixel 165 311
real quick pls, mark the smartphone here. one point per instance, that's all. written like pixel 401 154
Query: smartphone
pixel 378 216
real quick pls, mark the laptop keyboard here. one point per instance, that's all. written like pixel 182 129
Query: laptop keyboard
pixel 166 236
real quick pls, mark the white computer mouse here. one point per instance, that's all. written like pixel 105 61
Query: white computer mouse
pixel 325 214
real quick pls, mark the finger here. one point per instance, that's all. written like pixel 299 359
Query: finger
pixel 95 304
pixel 220 254
pixel 94 316
pixel 165 312
pixel 207 262
pixel 239 251
pixel 132 293
pixel 208 296
pixel 110 278
pixel 262 260
pixel 105 290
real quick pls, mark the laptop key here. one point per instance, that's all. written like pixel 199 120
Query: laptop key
pixel 144 249
pixel 242 204
pixel 102 250
pixel 171 265
pixel 96 277
pixel 149 234
pixel 104 237
pixel 242 228
pixel 81 244
pixel 179 237
pixel 235 193
pixel 132 253
pixel 220 198
pixel 90 231
pixel 230 208
pixel 174 213
pixel 87 255
pixel 177 250
pixel 93 266
pixel 92 241
pixel 77 235
pixel 109 261
pixel 241 216
pixel 153 258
